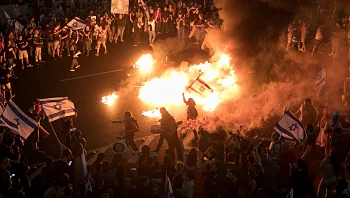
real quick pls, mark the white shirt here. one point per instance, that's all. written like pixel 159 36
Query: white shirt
pixel 318 34
pixel 152 24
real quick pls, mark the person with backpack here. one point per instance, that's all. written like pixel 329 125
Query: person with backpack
pixel 192 112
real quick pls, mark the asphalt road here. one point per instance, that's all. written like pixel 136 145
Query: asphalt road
pixel 97 76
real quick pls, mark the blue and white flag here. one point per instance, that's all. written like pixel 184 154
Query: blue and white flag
pixel 290 127
pixel 76 24
pixel 169 193
pixel 321 79
pixel 82 174
pixel 8 18
pixel 18 27
pixel 16 120
pixel 57 108
pixel 2 109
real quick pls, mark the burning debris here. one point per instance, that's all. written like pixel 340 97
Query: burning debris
pixel 152 113
pixel 145 63
pixel 218 77
pixel 110 99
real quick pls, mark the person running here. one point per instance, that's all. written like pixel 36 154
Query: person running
pixel 75 64
pixel 169 133
pixel 131 127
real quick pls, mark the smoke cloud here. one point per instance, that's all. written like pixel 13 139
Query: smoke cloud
pixel 268 81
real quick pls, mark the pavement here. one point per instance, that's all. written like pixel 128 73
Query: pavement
pixel 97 77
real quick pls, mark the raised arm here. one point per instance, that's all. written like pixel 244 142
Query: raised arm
pixel 183 98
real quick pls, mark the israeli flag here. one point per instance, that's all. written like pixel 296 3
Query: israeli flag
pixel 81 169
pixel 18 27
pixel 57 108
pixel 290 127
pixel 16 120
pixel 76 24
pixel 8 18
pixel 169 189
pixel 321 79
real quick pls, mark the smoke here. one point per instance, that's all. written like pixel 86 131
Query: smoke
pixel 282 4
pixel 268 82
pixel 169 46
pixel 245 21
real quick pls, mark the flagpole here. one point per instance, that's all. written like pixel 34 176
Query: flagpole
pixel 193 82
pixel 62 146
pixel 166 186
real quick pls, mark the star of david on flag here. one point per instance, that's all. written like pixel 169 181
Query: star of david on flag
pixel 321 79
pixel 56 108
pixel 76 24
pixel 290 127
pixel 200 87
pixel 16 120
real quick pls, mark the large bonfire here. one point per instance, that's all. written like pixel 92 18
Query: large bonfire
pixel 208 83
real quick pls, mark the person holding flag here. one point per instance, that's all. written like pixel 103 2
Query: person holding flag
pixel 290 127
pixel 17 121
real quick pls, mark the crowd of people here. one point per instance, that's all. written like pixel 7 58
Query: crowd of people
pixel 223 164
pixel 47 36
pixel 328 24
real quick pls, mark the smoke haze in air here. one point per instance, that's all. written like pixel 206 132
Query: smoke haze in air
pixel 269 81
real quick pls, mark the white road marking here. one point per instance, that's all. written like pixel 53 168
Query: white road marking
pixel 147 141
pixel 90 75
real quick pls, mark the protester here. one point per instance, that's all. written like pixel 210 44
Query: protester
pixel 22 51
pixel 330 169
pixel 75 64
pixel 237 168
pixel 131 127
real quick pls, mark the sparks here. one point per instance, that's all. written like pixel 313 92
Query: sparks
pixel 145 63
pixel 110 99
pixel 167 89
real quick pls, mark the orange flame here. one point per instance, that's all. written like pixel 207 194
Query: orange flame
pixel 155 113
pixel 145 63
pixel 110 99
pixel 167 89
